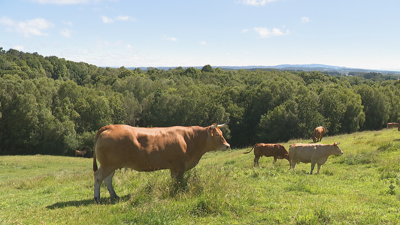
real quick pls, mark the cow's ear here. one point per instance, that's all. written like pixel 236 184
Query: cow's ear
pixel 211 131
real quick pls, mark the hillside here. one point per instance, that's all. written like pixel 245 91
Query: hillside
pixel 52 106
pixel 359 187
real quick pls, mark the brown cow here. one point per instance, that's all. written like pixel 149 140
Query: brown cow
pixel 312 153
pixel 392 125
pixel 278 151
pixel 82 153
pixel 148 149
pixel 318 133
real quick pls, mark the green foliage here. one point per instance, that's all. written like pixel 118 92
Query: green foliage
pixel 47 104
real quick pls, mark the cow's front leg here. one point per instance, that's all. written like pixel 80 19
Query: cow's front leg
pixel 177 175
pixel 108 181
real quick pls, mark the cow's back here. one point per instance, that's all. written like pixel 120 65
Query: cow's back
pixel 141 149
pixel 301 153
pixel 270 150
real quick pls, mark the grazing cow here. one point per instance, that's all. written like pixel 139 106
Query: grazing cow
pixel 312 153
pixel 318 133
pixel 392 125
pixel 278 151
pixel 82 153
pixel 148 149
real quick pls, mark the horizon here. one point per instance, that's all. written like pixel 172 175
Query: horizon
pixel 229 33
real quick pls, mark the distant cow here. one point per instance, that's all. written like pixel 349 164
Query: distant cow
pixel 312 153
pixel 149 149
pixel 278 151
pixel 318 133
pixel 392 125
pixel 82 153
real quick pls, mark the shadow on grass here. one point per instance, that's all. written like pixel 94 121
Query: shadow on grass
pixel 396 140
pixel 104 201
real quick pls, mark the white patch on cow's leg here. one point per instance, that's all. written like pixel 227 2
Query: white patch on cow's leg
pixel 108 181
pixel 99 176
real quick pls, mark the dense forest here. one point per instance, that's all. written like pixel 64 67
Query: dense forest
pixel 49 105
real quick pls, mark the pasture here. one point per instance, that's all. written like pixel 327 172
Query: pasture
pixel 360 187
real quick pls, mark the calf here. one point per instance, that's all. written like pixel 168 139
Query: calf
pixel 82 153
pixel 312 153
pixel 318 133
pixel 278 151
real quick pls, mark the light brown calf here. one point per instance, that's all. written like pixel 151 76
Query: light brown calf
pixel 312 153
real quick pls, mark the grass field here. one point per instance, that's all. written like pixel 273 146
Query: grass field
pixel 362 186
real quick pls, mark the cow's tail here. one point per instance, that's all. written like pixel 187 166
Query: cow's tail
pixel 248 151
pixel 95 168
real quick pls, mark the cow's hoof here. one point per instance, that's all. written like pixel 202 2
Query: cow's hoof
pixel 115 196
pixel 97 199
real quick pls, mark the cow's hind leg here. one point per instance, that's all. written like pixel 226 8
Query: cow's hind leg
pixel 256 159
pixel 99 176
pixel 312 166
pixel 318 167
pixel 108 181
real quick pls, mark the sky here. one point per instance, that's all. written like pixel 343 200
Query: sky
pixel 170 33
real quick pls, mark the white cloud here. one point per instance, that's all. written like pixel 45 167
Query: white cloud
pixel 31 27
pixel 118 18
pixel 203 42
pixel 256 2
pixel 305 19
pixel 65 32
pixel 165 37
pixel 63 2
pixel 19 47
pixel 67 23
pixel 124 18
pixel 245 30
pixel 266 33
pixel 128 46
pixel 107 20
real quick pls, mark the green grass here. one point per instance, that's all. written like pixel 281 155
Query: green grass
pixel 360 187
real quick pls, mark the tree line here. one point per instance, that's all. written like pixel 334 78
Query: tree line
pixel 49 105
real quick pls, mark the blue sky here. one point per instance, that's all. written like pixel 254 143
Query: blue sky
pixel 152 33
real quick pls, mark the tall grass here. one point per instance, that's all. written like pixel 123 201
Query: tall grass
pixel 359 187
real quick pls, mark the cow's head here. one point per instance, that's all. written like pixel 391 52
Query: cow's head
pixel 215 137
pixel 338 151
pixel 314 139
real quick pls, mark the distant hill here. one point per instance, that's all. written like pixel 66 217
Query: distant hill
pixel 297 67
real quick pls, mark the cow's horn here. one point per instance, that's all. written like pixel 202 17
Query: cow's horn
pixel 222 125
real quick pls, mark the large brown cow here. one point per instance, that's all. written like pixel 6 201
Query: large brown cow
pixel 392 125
pixel 318 133
pixel 148 149
pixel 278 151
pixel 312 153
